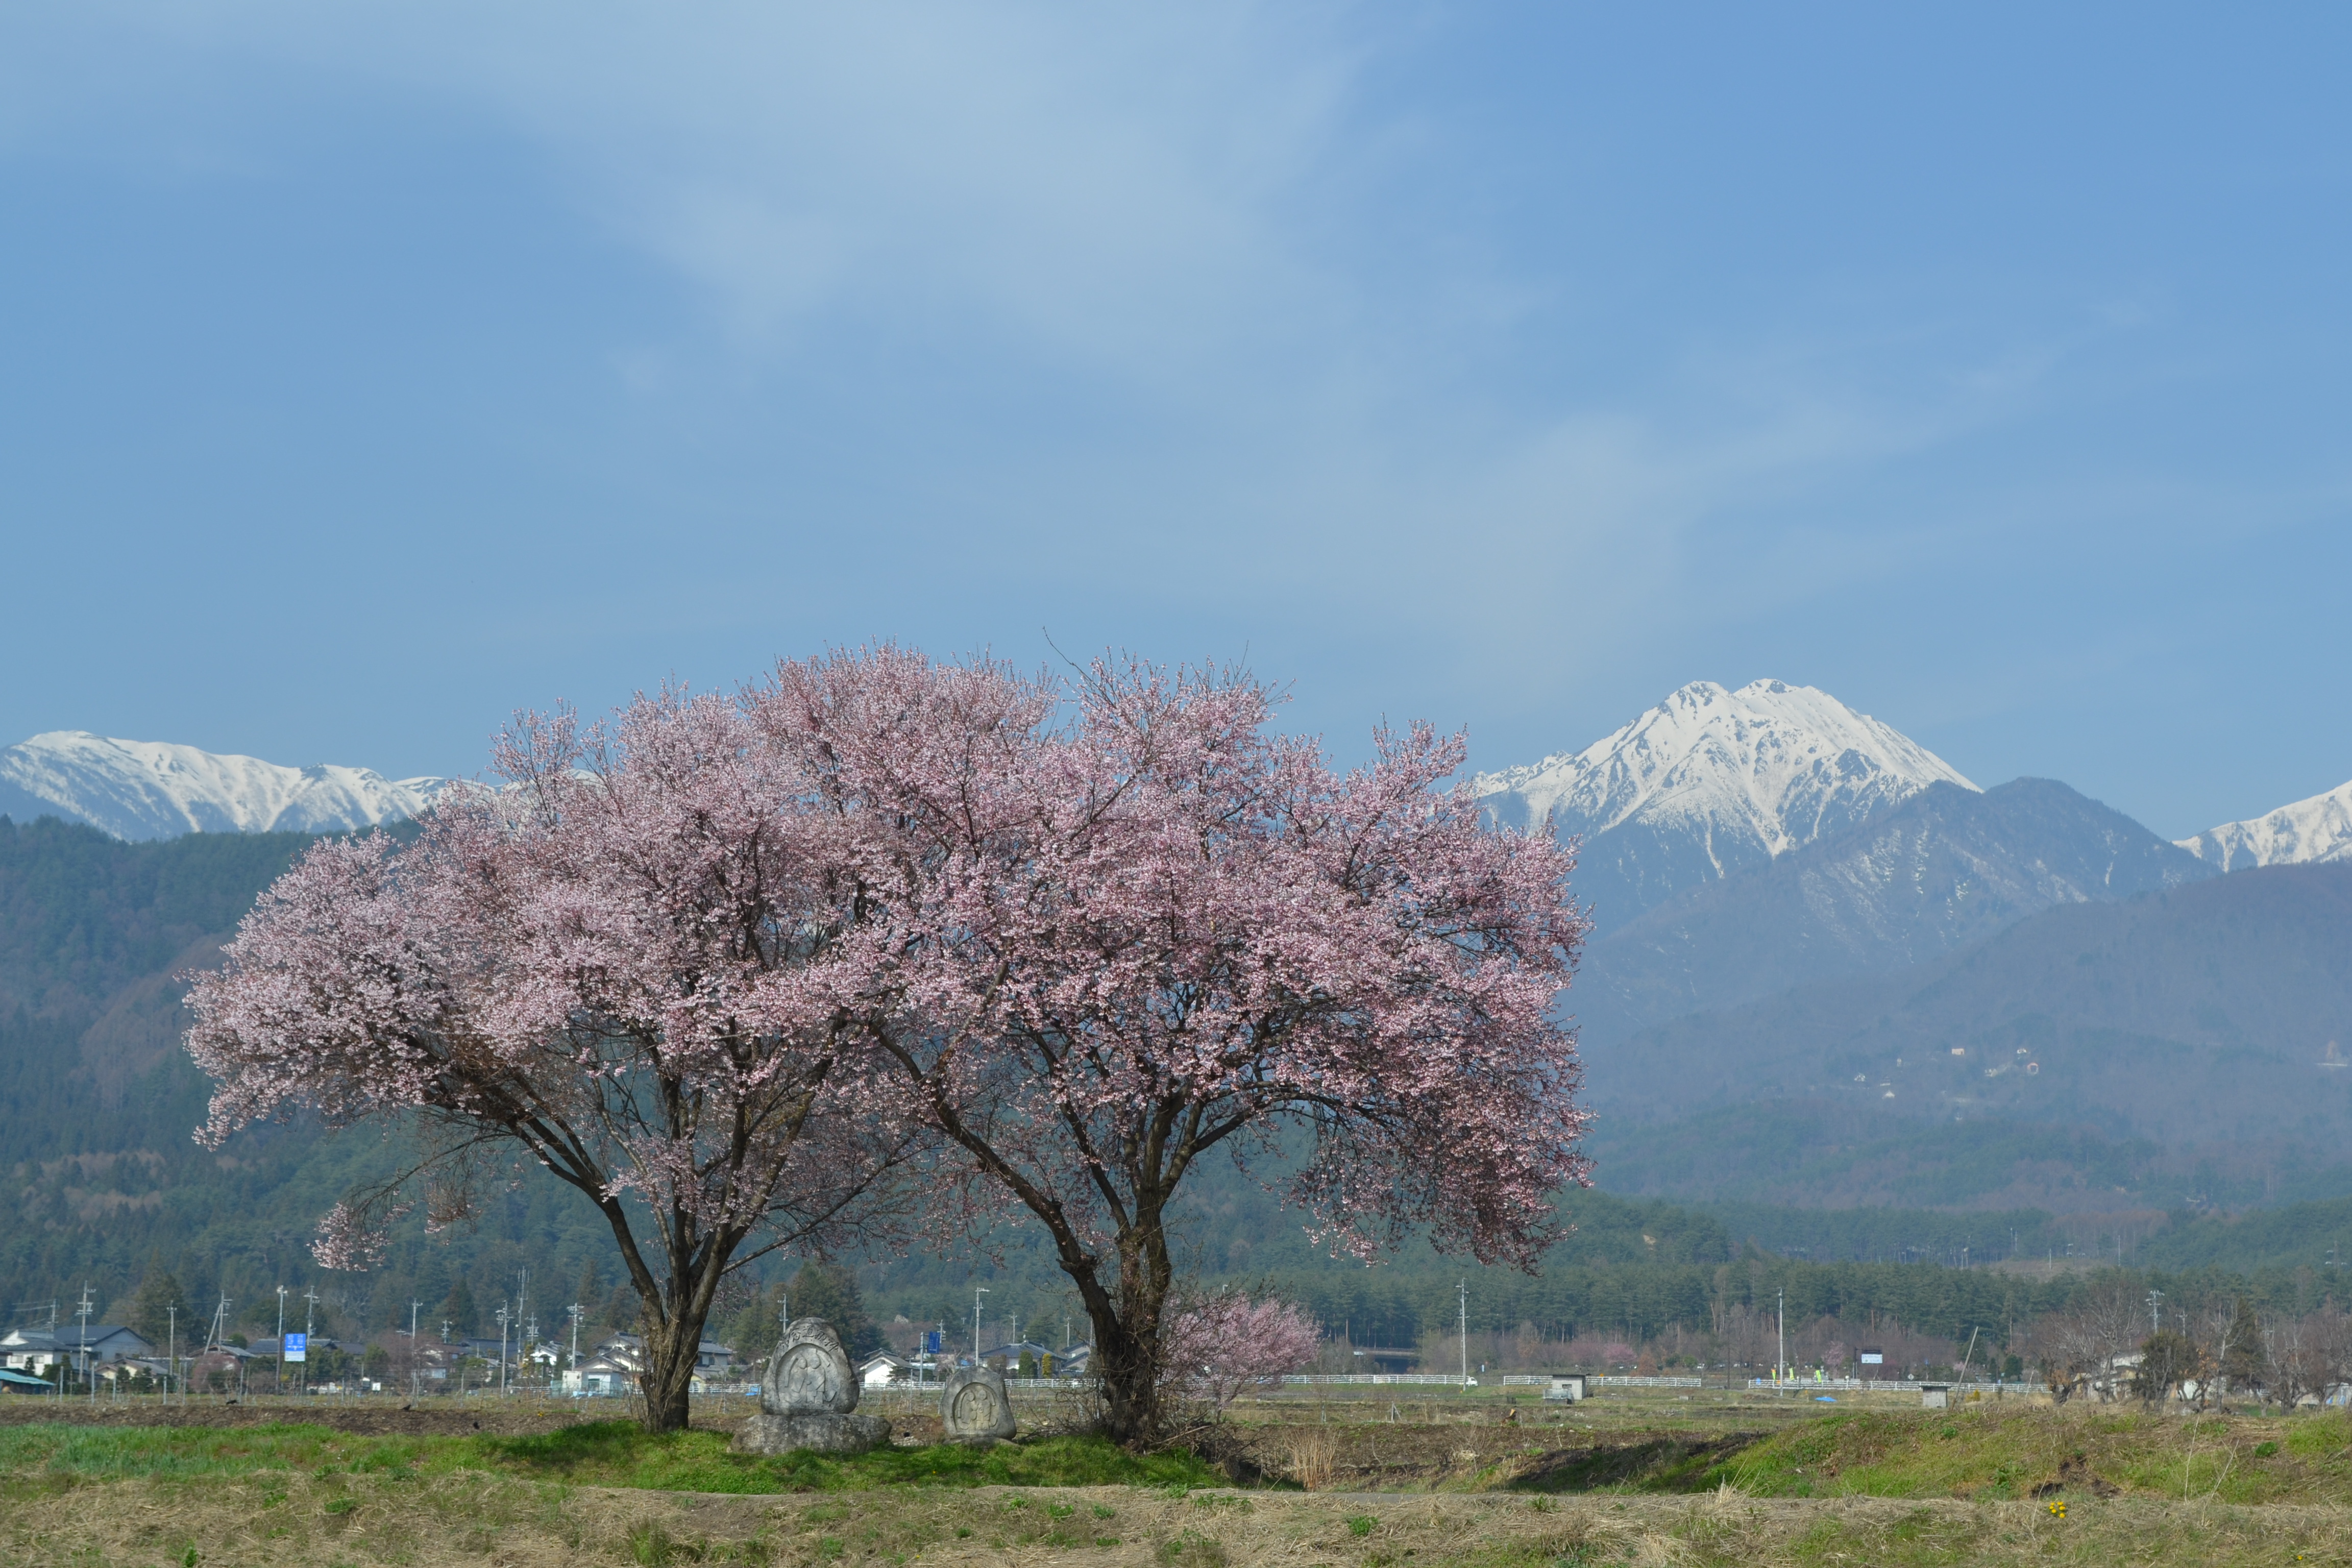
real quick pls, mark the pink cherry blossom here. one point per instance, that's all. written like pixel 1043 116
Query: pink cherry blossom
pixel 1222 1346
pixel 623 968
pixel 1133 929
pixel 738 967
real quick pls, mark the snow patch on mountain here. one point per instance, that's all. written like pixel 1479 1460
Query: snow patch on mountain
pixel 1773 763
pixel 2310 830
pixel 151 789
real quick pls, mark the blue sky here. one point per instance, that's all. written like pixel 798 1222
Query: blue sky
pixel 369 371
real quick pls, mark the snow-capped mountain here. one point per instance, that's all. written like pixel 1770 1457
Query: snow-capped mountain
pixel 151 789
pixel 1710 781
pixel 2319 829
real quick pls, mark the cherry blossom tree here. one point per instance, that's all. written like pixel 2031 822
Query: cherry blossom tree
pixel 1226 1344
pixel 1132 930
pixel 626 967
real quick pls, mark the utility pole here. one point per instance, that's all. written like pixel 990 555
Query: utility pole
pixel 83 1313
pixel 1781 1373
pixel 502 1347
pixel 281 1341
pixel 309 1315
pixel 977 1292
pixel 412 1306
pixel 574 1364
pixel 172 1356
pixel 1462 1288
pixel 2155 1318
pixel 218 1335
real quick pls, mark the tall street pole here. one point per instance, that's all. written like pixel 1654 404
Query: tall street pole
pixel 977 1292
pixel 1463 1289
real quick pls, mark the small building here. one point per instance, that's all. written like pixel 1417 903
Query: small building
pixel 37 1349
pixel 882 1369
pixel 1935 1396
pixel 600 1377
pixel 1571 1387
pixel 711 1359
pixel 1008 1358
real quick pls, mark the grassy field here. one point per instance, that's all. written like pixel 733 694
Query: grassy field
pixel 1716 1484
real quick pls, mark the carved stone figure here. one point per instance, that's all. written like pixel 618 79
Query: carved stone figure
pixel 974 1407
pixel 808 1373
pixel 807 1395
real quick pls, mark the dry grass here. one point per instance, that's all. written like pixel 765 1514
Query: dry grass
pixel 1313 1455
pixel 477 1519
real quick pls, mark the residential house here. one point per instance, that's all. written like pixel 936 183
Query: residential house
pixel 711 1360
pixel 37 1349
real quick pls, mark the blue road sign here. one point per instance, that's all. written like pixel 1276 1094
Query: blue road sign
pixel 931 1341
pixel 298 1347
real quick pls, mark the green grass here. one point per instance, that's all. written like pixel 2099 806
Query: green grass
pixel 617 1454
pixel 44 1458
pixel 1995 1455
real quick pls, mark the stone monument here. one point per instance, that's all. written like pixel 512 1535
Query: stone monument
pixel 974 1407
pixel 807 1397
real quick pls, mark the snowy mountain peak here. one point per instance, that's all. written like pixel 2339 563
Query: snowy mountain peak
pixel 1783 764
pixel 2310 830
pixel 1711 780
pixel 151 789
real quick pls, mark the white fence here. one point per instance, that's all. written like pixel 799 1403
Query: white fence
pixel 1609 1382
pixel 1431 1377
pixel 1894 1385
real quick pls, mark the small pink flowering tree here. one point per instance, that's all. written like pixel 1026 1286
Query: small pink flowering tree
pixel 1220 1347
pixel 625 969
pixel 1133 930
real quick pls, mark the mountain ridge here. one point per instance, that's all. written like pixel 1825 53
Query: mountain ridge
pixel 139 789
pixel 1935 873
pixel 2303 832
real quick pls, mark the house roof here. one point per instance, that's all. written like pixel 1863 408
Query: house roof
pixel 67 1336
pixel 1013 1352
pixel 635 1342
pixel 266 1344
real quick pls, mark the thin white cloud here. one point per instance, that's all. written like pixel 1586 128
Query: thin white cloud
pixel 1118 187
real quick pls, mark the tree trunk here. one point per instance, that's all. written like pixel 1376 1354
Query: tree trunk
pixel 1129 1372
pixel 667 1380
pixel 1127 1323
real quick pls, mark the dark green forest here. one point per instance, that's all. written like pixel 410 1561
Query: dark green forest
pixel 97 1106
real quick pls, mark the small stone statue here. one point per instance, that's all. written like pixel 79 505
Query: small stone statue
pixel 974 1407
pixel 807 1396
